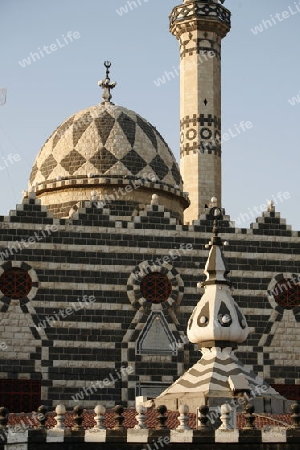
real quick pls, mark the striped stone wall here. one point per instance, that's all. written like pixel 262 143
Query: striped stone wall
pixel 81 321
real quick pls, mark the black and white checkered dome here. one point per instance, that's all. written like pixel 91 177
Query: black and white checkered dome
pixel 105 140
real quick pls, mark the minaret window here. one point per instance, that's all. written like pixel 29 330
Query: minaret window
pixel 15 283
pixel 156 287
pixel 287 294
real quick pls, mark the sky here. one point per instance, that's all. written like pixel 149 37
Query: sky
pixel 260 84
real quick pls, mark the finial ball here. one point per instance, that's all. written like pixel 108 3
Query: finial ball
pixel 99 409
pixel 183 409
pixel 60 409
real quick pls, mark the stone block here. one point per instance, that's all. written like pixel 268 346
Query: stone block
pixel 277 405
pixel 137 436
pixel 259 405
pixel 17 437
pixel 273 434
pixel 227 436
pixel 181 436
pixel 95 435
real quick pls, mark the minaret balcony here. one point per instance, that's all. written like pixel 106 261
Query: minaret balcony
pixel 208 11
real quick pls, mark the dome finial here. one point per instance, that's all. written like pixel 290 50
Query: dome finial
pixel 106 84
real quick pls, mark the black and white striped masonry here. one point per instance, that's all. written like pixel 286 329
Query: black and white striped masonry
pixel 217 325
pixel 141 437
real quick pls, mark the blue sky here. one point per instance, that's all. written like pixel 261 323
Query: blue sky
pixel 260 74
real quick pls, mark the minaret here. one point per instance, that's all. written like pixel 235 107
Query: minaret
pixel 217 325
pixel 200 25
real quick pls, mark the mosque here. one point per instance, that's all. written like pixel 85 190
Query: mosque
pixel 101 265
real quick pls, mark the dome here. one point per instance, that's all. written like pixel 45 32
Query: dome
pixel 96 153
pixel 105 140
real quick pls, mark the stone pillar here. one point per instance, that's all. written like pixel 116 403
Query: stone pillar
pixel 200 26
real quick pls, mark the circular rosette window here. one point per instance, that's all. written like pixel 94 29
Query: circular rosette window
pixel 284 293
pixel 287 293
pixel 18 281
pixel 156 287
pixel 150 284
pixel 15 283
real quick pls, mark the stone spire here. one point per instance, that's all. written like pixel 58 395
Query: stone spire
pixel 217 320
pixel 106 84
pixel 217 325
pixel 200 27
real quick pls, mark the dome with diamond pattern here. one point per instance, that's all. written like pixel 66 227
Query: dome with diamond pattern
pixel 105 140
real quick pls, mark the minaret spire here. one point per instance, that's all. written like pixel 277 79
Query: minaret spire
pixel 200 25
pixel 106 84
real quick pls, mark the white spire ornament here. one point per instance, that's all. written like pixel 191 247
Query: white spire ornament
pixel 217 326
pixel 217 320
